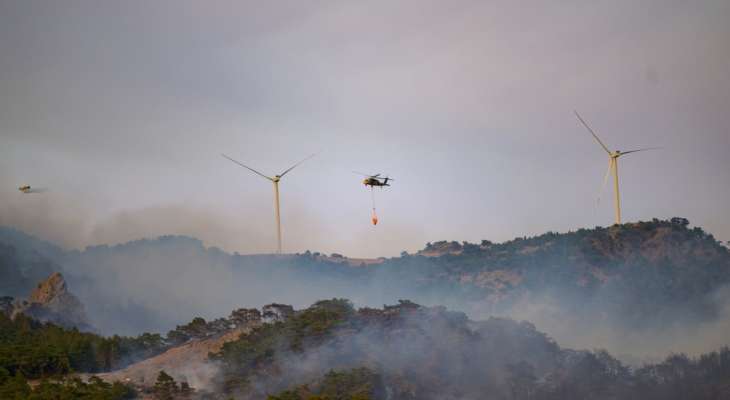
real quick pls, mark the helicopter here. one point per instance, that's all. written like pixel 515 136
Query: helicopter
pixel 26 189
pixel 375 180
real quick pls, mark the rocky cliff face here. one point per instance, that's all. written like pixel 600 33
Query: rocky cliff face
pixel 51 301
pixel 50 291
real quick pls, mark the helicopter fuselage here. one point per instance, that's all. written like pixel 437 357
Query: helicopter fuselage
pixel 375 182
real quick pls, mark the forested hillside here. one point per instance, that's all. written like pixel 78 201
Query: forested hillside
pixel 334 351
pixel 625 281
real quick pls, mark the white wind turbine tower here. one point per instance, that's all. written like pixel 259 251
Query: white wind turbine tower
pixel 612 166
pixel 275 179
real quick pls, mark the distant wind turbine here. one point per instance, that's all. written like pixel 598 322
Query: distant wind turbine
pixel 612 166
pixel 275 179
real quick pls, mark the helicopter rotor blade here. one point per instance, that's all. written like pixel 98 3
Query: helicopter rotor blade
pixel 367 175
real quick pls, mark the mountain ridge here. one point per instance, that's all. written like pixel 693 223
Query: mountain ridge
pixel 633 279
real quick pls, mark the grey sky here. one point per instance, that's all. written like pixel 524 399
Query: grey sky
pixel 121 110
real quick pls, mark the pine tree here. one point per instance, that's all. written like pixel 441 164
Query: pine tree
pixel 185 390
pixel 165 387
pixel 15 388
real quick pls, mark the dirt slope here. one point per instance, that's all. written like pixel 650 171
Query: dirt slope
pixel 187 362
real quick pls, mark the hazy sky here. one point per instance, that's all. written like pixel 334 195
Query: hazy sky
pixel 122 108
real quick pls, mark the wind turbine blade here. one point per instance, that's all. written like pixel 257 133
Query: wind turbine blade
pixel 637 150
pixel 297 164
pixel 592 133
pixel 611 160
pixel 248 168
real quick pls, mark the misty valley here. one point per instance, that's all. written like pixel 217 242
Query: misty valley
pixel 632 311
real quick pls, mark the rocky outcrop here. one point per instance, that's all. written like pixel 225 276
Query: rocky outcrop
pixel 50 291
pixel 51 301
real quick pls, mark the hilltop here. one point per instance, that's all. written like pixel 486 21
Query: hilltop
pixel 658 256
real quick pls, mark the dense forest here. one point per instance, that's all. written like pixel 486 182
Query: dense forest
pixel 38 350
pixel 17 388
pixel 333 351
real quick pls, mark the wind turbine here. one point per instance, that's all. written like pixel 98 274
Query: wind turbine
pixel 275 179
pixel 612 166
